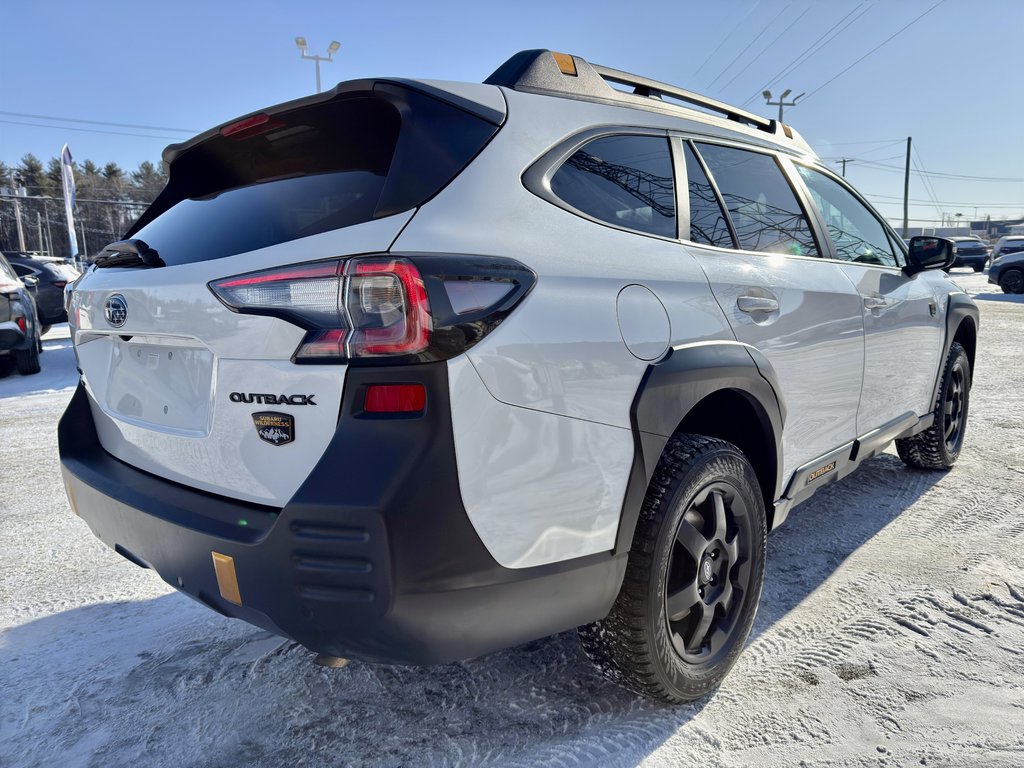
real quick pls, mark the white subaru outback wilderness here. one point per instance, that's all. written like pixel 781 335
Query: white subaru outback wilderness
pixel 412 371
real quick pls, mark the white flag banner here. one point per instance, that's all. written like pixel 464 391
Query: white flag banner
pixel 67 176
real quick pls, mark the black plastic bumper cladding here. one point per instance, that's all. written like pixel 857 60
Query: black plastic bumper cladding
pixel 374 557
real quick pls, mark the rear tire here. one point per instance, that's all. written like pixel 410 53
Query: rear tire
pixel 979 267
pixel 938 447
pixel 1012 281
pixel 27 360
pixel 693 579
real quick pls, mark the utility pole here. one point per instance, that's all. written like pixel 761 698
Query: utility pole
pixel 17 219
pixel 844 161
pixel 332 49
pixel 782 100
pixel 906 190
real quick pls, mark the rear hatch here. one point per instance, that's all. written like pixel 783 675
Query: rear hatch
pixel 184 386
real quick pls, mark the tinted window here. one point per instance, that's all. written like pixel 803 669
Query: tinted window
pixel 764 211
pixel 313 169
pixel 707 219
pixel 856 232
pixel 623 180
pixel 22 270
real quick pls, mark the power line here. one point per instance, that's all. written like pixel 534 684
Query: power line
pixel 763 50
pixel 812 49
pixel 98 122
pixel 873 141
pixel 941 175
pixel 92 130
pixel 896 198
pixel 929 187
pixel 858 61
pixel 756 38
pixel 728 36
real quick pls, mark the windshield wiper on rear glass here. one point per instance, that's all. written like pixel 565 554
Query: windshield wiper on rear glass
pixel 129 253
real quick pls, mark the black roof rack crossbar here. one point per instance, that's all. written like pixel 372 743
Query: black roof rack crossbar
pixel 540 71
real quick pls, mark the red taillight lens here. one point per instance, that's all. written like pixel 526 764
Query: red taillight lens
pixel 365 307
pixel 21 324
pixel 389 309
pixel 395 398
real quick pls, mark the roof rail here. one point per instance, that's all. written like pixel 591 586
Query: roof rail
pixel 560 74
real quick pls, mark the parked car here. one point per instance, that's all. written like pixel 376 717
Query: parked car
pixel 52 275
pixel 435 404
pixel 1008 272
pixel 970 252
pixel 19 323
pixel 1008 244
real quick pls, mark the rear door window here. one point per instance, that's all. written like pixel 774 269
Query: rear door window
pixel 763 208
pixel 707 219
pixel 622 180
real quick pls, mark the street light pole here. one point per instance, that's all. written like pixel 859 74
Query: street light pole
pixel 332 49
pixel 782 100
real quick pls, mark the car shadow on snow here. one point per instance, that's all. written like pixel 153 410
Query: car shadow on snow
pixel 197 688
pixel 1013 298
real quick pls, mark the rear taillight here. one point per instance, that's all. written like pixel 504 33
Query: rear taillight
pixel 21 324
pixel 383 308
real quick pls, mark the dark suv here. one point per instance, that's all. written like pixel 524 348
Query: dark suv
pixel 19 323
pixel 52 275
pixel 970 252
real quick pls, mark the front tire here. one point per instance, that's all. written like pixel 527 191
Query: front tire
pixel 694 576
pixel 938 447
pixel 1012 281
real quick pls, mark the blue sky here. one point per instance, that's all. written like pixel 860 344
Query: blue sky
pixel 950 79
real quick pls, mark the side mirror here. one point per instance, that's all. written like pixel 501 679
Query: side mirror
pixel 30 282
pixel 929 253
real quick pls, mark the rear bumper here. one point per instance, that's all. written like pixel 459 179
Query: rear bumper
pixel 388 568
pixel 971 260
pixel 12 338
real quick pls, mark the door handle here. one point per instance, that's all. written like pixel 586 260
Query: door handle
pixel 750 304
pixel 875 302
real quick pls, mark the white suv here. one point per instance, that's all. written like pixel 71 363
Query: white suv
pixel 412 371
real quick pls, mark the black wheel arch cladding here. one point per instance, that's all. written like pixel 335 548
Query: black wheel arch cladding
pixel 684 392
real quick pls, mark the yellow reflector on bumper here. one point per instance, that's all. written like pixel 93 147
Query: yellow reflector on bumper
pixel 227 581
pixel 565 63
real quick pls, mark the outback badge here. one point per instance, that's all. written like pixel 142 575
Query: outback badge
pixel 274 428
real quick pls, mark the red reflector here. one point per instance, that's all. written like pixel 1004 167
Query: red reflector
pixel 395 398
pixel 21 324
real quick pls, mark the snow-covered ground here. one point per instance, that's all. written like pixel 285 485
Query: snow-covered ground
pixel 891 632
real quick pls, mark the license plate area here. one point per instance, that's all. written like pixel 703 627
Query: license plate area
pixel 161 383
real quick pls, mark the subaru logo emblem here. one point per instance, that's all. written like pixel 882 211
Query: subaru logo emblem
pixel 116 310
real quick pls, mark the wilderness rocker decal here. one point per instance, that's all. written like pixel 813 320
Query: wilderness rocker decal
pixel 274 428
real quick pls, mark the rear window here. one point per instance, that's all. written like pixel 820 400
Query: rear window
pixel 355 158
pixel 622 180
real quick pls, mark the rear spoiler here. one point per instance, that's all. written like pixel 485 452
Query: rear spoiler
pixel 485 111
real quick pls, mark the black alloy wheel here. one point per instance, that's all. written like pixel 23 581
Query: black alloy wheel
pixel 693 578
pixel 954 409
pixel 939 446
pixel 708 573
pixel 1012 281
